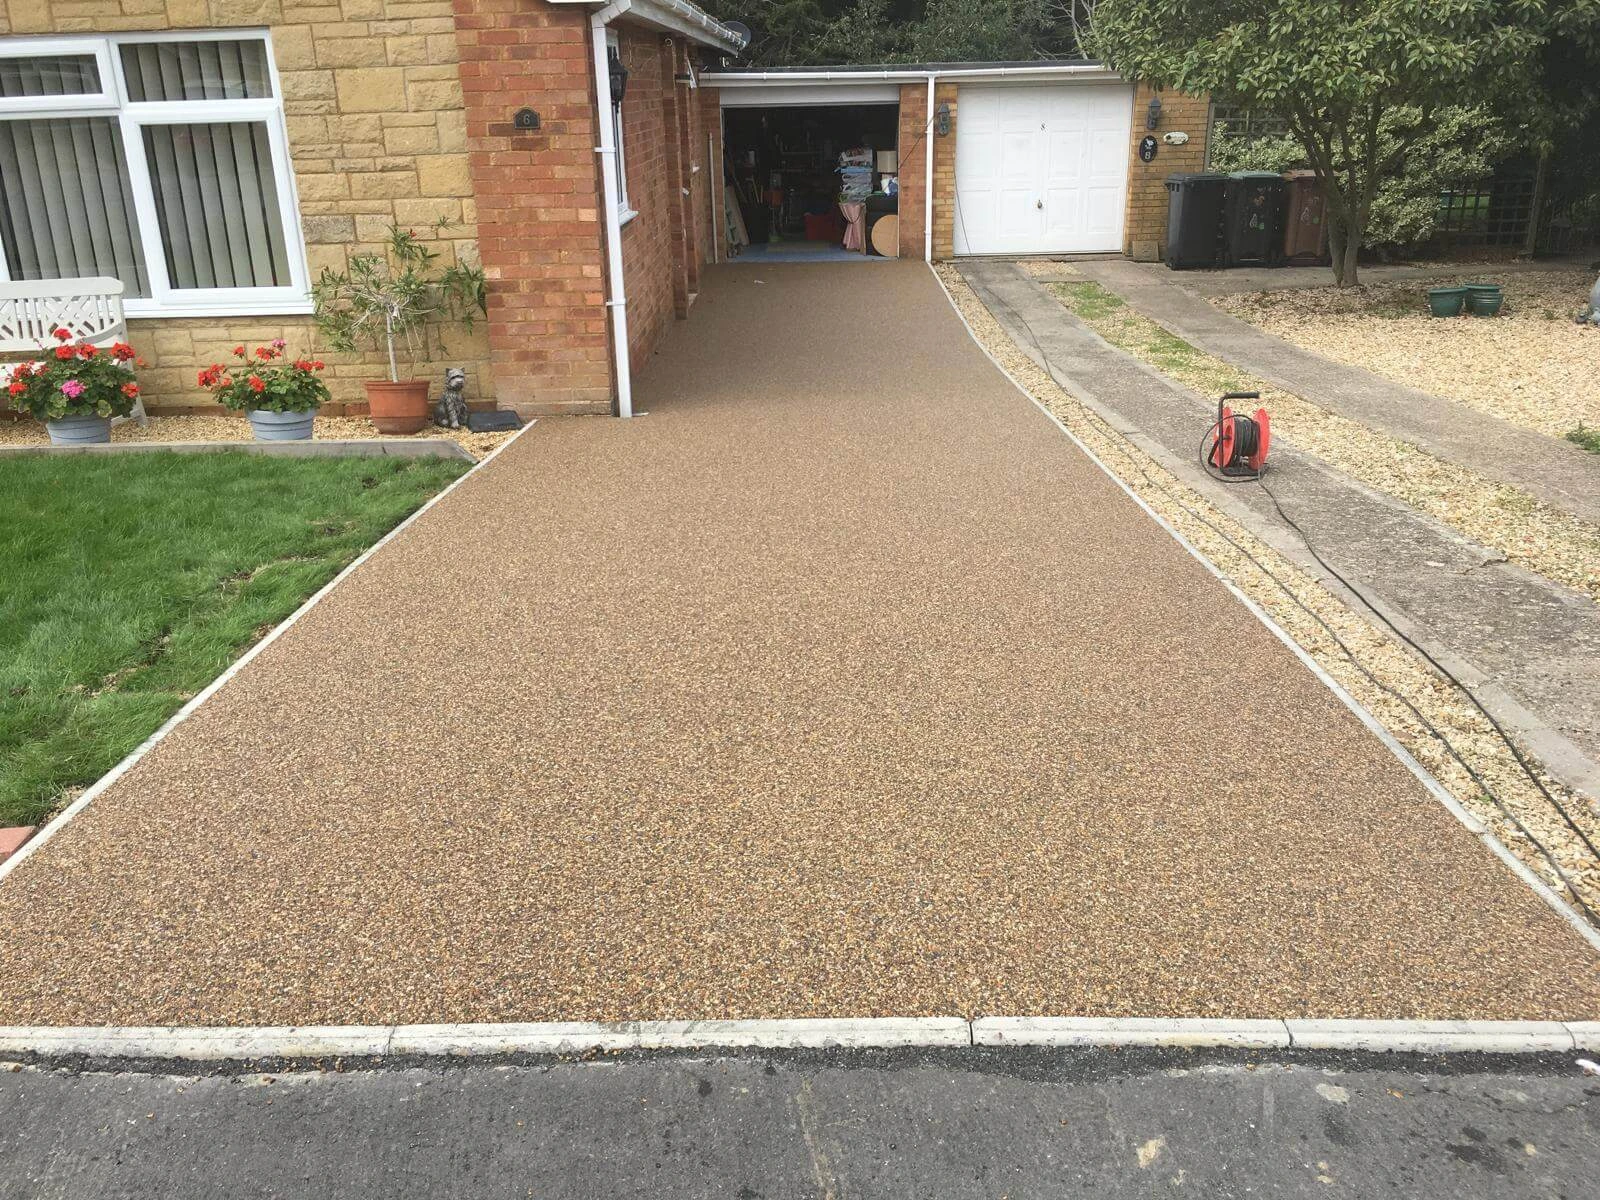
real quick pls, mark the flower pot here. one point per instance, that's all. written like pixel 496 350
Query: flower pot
pixel 1484 299
pixel 1446 301
pixel 282 426
pixel 79 431
pixel 398 407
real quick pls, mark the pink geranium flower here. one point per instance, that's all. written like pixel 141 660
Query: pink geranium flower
pixel 72 389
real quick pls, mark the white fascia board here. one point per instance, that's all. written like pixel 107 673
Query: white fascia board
pixel 809 94
pixel 1064 72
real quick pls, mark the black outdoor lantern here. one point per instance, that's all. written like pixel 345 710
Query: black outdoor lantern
pixel 1152 117
pixel 619 76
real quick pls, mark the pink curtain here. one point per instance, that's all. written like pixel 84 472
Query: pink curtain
pixel 855 229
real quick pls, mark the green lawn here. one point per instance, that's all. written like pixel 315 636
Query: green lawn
pixel 129 582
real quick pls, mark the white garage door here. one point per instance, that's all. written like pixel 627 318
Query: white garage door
pixel 1042 169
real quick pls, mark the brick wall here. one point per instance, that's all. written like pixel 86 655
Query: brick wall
pixel 714 220
pixel 944 175
pixel 913 149
pixel 661 246
pixel 538 202
pixel 650 149
pixel 373 105
pixel 1144 235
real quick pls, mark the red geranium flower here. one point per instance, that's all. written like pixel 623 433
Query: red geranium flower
pixel 87 351
pixel 62 333
pixel 256 385
pixel 16 389
pixel 130 390
pixel 65 352
pixel 317 364
pixel 238 349
pixel 122 352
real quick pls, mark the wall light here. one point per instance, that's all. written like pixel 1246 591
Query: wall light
pixel 1152 116
pixel 941 120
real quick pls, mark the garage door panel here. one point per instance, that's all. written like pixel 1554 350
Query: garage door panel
pixel 1042 168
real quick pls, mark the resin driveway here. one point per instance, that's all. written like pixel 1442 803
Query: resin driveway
pixel 841 684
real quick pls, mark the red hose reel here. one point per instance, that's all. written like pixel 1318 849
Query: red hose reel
pixel 1235 448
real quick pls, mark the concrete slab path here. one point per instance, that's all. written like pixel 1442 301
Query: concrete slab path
pixel 840 684
pixel 1552 470
pixel 1529 648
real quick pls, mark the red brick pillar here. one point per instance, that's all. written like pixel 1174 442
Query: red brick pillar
pixel 538 202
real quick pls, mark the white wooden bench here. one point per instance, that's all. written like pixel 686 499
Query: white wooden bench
pixel 90 308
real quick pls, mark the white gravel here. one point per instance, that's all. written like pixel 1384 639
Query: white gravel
pixel 1533 364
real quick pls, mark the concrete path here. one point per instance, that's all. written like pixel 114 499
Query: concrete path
pixel 1023 1125
pixel 1236 280
pixel 1529 648
pixel 1552 470
pixel 840 684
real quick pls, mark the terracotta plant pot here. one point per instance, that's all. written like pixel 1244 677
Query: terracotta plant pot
pixel 398 407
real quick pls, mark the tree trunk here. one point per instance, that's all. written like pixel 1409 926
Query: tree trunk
pixel 1541 178
pixel 1344 244
pixel 1352 250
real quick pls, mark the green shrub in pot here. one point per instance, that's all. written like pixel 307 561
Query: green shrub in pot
pixel 383 300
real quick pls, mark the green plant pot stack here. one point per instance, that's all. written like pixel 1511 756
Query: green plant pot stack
pixel 1484 299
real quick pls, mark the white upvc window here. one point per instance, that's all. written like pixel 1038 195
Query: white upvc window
pixel 624 210
pixel 158 159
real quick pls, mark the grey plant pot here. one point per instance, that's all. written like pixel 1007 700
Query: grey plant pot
pixel 282 427
pixel 79 431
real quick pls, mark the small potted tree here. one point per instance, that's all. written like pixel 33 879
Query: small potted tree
pixel 280 397
pixel 381 300
pixel 76 389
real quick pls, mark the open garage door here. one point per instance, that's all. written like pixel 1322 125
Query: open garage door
pixel 1042 168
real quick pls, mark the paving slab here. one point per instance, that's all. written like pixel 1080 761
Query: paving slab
pixel 1552 470
pixel 839 685
pixel 1529 648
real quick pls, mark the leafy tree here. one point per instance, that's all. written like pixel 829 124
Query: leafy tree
pixel 1360 82
pixel 812 32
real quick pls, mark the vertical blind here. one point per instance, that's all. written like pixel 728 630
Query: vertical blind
pixel 196 70
pixel 66 208
pixel 49 75
pixel 217 205
pixel 66 197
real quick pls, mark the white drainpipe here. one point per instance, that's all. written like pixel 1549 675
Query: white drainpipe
pixel 607 150
pixel 928 139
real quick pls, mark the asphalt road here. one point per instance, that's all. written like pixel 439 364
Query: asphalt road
pixel 762 1127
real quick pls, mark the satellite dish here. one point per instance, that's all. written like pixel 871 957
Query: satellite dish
pixel 742 30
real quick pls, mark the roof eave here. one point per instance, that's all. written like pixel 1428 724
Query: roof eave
pixel 673 16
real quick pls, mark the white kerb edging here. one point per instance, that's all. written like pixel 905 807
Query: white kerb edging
pixel 567 1038
pixel 211 689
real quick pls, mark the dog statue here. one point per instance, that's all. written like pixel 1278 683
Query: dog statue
pixel 451 410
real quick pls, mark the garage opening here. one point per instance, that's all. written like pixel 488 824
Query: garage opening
pixel 812 182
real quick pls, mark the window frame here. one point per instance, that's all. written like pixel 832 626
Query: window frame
pixel 131 116
pixel 625 211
